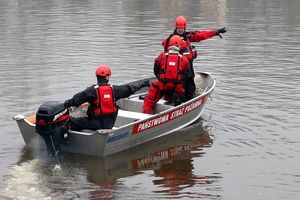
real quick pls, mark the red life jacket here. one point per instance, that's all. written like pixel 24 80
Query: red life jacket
pixel 172 70
pixel 105 102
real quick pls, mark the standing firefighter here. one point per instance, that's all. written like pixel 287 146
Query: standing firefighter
pixel 189 50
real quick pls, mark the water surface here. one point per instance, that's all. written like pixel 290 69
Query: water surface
pixel 246 146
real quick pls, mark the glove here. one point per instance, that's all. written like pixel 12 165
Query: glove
pixel 221 30
pixel 144 84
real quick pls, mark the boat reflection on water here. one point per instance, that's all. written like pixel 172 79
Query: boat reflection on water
pixel 170 157
pixel 181 145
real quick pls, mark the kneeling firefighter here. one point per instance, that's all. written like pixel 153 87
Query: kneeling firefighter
pixel 171 69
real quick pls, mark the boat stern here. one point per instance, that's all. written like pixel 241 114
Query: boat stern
pixel 27 128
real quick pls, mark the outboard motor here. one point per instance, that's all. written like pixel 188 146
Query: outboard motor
pixel 51 119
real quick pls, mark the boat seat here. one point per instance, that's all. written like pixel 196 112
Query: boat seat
pixel 133 115
pixel 136 104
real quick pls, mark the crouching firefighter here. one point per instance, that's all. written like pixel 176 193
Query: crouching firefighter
pixel 171 69
pixel 102 110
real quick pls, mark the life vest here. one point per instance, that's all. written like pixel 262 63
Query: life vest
pixel 105 102
pixel 172 70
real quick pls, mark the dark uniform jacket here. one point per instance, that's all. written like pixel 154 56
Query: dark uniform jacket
pixel 90 95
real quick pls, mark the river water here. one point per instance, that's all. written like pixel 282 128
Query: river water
pixel 247 143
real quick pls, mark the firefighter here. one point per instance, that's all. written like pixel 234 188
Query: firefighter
pixel 102 111
pixel 171 69
pixel 189 50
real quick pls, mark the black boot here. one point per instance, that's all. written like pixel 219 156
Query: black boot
pixel 176 99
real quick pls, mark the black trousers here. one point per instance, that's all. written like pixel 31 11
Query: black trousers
pixel 190 88
pixel 92 123
pixel 189 85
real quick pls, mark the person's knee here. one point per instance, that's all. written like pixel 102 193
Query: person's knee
pixel 180 89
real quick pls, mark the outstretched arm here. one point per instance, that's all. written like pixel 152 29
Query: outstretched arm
pixel 123 91
pixel 197 36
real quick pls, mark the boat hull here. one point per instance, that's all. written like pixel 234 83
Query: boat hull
pixel 133 128
pixel 156 126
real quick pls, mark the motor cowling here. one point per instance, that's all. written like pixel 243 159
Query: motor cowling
pixel 51 119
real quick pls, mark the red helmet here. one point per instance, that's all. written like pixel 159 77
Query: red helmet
pixel 176 40
pixel 103 70
pixel 180 22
